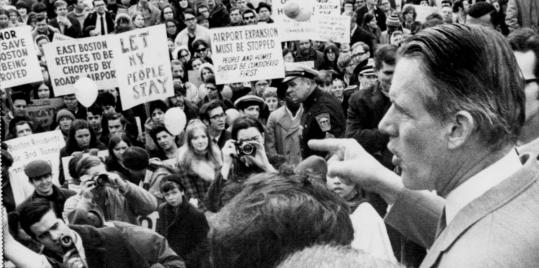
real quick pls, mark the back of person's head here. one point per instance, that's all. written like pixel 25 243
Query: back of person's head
pixel 524 40
pixel 479 76
pixel 136 158
pixel 96 109
pixel 39 7
pixel 106 99
pixel 273 216
pixel 385 54
pixel 86 163
pixel 432 20
pixel 329 256
pixel 32 212
pixel 245 122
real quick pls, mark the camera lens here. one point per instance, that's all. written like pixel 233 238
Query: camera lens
pixel 247 148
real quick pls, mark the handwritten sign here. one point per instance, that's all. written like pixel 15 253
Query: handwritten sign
pixel 58 37
pixel 247 53
pixel 143 66
pixel 70 59
pixel 44 110
pixel 45 146
pixel 18 58
pixel 334 28
pixel 327 8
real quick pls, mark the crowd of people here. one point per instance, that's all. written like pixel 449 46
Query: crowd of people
pixel 261 175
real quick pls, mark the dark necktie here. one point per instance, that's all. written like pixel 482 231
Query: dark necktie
pixel 103 31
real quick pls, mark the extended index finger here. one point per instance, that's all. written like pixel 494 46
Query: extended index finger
pixel 325 145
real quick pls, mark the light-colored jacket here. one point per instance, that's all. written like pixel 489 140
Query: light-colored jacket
pixel 498 229
pixel 522 13
pixel 283 134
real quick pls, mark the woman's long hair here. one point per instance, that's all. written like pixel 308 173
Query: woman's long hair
pixel 212 152
pixel 72 144
pixel 113 163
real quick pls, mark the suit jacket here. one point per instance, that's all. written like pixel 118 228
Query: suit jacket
pixel 498 229
pixel 91 20
pixel 74 31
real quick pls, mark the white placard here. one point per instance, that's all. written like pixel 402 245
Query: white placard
pixel 68 60
pixel 334 28
pixel 18 57
pixel 143 66
pixel 44 146
pixel 290 29
pixel 247 53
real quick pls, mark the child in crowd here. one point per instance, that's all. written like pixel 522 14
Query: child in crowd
pixel 182 224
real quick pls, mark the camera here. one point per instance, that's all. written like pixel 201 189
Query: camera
pixel 101 179
pixel 246 148
pixel 69 247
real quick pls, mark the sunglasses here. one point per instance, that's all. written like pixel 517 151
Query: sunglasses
pixel 249 18
pixel 201 49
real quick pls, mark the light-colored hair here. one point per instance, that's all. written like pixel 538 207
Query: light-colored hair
pixel 185 159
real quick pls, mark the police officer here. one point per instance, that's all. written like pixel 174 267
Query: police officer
pixel 323 116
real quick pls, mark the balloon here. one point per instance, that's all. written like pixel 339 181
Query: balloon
pixel 175 120
pixel 299 10
pixel 86 91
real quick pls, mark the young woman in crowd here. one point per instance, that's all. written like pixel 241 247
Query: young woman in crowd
pixel 123 23
pixel 199 160
pixel 172 28
pixel 64 119
pixel 166 147
pixel 117 146
pixel 346 67
pixel 409 16
pixel 138 20
pixel 202 50
pixel 331 54
pixel 4 19
pixel 288 55
pixel 43 91
pixel 81 138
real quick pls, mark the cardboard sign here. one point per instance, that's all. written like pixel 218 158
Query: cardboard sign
pixel 70 59
pixel 143 66
pixel 334 28
pixel 18 58
pixel 247 53
pixel 45 146
pixel 44 110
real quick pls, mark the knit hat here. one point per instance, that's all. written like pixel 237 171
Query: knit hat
pixel 37 168
pixel 393 21
pixel 64 113
pixel 136 158
pixel 480 9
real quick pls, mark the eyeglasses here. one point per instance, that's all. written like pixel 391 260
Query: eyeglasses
pixel 211 88
pixel 184 55
pixel 190 19
pixel 202 49
pixel 359 54
pixel 249 17
pixel 218 116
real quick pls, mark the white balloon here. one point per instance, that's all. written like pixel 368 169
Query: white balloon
pixel 175 120
pixel 299 10
pixel 86 91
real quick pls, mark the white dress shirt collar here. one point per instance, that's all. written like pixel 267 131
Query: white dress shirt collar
pixel 481 182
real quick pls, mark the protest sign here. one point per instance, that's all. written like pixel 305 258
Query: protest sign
pixel 143 67
pixel 247 53
pixel 194 78
pixel 291 30
pixel 69 60
pixel 18 58
pixel 44 110
pixel 424 11
pixel 334 28
pixel 103 154
pixel 44 146
pixel 327 7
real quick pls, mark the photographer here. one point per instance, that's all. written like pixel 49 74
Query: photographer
pixel 243 156
pixel 74 245
pixel 107 192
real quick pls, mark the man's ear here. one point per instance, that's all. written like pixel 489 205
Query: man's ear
pixel 460 129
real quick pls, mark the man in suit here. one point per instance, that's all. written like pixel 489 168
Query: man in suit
pixel 99 22
pixel 66 25
pixel 453 128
